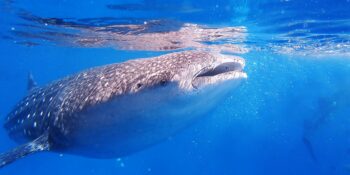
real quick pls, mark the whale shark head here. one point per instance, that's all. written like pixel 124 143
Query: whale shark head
pixel 223 68
pixel 186 71
pixel 195 70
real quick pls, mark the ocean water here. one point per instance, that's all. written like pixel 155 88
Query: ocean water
pixel 291 116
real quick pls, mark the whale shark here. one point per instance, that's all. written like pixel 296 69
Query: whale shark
pixel 118 109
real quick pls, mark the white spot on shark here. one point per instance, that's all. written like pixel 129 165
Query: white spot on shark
pixel 40 147
pixel 56 120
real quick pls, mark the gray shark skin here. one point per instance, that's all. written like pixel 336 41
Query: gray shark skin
pixel 117 109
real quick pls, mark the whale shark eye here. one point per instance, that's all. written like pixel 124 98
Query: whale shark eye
pixel 163 82
pixel 139 85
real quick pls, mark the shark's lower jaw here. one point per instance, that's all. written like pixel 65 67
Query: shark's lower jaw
pixel 226 70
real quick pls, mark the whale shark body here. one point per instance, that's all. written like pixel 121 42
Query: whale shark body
pixel 117 109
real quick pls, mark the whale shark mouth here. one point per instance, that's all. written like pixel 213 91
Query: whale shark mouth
pixel 227 69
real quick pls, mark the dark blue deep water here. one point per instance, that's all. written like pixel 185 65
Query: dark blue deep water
pixel 290 117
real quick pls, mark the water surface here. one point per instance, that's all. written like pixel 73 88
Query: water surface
pixel 289 117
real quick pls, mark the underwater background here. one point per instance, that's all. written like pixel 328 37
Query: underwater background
pixel 291 116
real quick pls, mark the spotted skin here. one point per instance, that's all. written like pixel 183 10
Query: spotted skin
pixel 48 106
pixel 58 108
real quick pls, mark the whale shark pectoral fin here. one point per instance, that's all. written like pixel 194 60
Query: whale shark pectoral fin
pixel 31 82
pixel 37 145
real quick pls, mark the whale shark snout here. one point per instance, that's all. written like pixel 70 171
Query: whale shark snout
pixel 225 68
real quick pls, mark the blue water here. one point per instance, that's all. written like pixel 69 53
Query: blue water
pixel 298 86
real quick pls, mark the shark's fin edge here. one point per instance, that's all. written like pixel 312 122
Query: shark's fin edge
pixel 31 82
pixel 37 145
